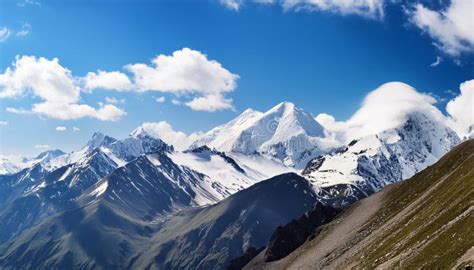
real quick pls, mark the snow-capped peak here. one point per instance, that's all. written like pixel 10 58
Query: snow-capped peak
pixel 98 139
pixel 284 132
pixel 139 132
pixel 373 161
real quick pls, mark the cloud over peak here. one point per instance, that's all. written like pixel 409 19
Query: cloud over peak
pixel 389 105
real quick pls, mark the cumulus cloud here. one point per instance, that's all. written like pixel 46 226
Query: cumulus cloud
pixel 42 146
pixel 365 8
pixel 165 132
pixel 113 80
pixel 75 129
pixel 61 128
pixel 461 111
pixel 210 103
pixel 4 33
pixel 55 86
pixel 186 72
pixel 3 123
pixel 332 128
pixel 451 28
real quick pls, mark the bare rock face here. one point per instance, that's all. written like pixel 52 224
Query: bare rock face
pixel 287 238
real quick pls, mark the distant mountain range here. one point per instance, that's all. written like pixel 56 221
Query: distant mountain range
pixel 138 202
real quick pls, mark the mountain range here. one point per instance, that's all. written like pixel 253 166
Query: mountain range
pixel 145 202
pixel 424 222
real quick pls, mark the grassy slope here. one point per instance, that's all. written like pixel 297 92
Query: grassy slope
pixel 436 227
pixel 424 222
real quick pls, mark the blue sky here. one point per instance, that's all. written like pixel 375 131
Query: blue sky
pixel 321 60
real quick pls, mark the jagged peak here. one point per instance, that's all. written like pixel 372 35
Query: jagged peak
pixel 99 139
pixel 139 132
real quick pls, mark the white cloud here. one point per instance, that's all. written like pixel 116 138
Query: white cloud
pixel 47 79
pixel 461 110
pixel 165 132
pixel 451 28
pixel 176 102
pixel 42 146
pixel 113 80
pixel 4 33
pixel 436 62
pixel 366 8
pixel 55 86
pixel 3 123
pixel 75 129
pixel 232 4
pixel 184 72
pixel 76 111
pixel 331 126
pixel 61 128
pixel 160 99
pixel 210 103
pixel 25 30
pixel 17 110
pixel 384 108
pixel 388 106
pixel 113 100
pixel 28 2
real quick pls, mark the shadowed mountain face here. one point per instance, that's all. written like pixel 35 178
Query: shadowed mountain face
pixel 424 222
pixel 40 194
pixel 105 235
pixel 287 238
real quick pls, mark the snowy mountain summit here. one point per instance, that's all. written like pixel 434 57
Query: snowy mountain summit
pixel 285 132
pixel 369 163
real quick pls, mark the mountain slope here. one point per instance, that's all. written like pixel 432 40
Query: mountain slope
pixel 103 235
pixel 367 164
pixel 39 194
pixel 213 235
pixel 424 222
pixel 285 132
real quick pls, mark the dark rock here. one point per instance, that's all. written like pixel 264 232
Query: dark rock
pixel 287 238
pixel 314 165
pixel 239 262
